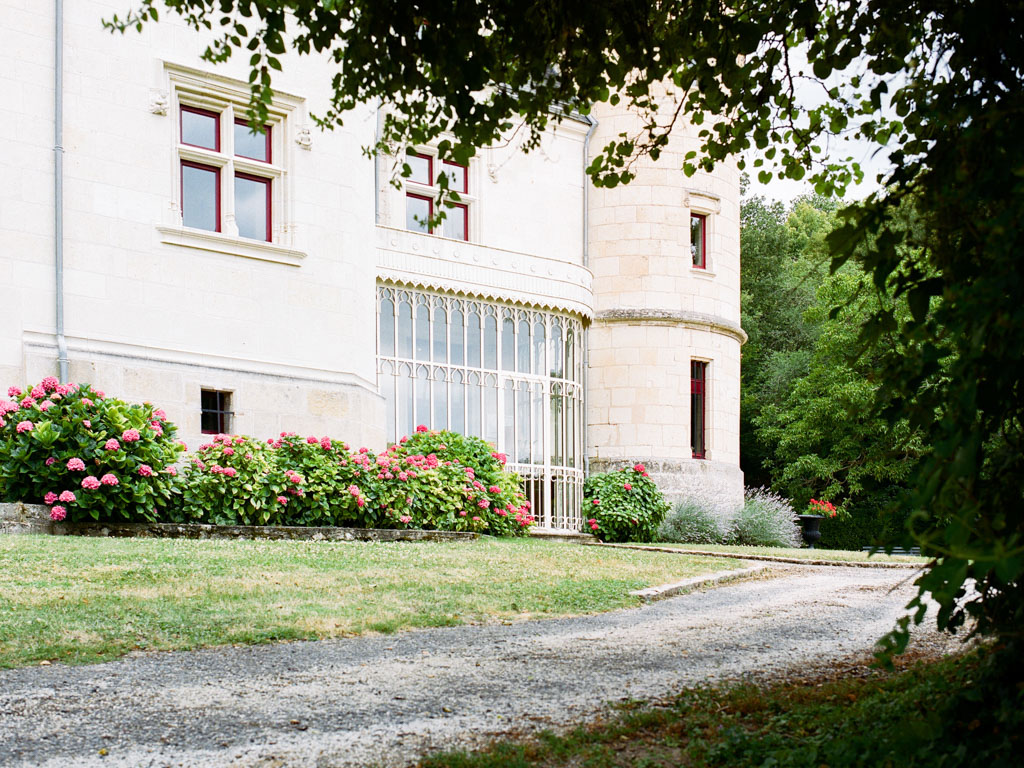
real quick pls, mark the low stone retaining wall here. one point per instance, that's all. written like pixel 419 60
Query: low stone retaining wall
pixel 34 518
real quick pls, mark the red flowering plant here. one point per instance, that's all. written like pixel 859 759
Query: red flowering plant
pixel 822 508
pixel 86 455
pixel 623 506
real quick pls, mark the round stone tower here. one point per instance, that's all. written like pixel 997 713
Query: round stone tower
pixel 664 347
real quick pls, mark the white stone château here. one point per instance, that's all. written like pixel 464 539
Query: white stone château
pixel 258 283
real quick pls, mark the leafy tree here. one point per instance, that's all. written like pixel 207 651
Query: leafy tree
pixel 952 71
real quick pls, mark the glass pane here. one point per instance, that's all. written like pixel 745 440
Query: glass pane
pixel 523 347
pixel 473 340
pixel 200 129
pixel 252 207
pixel 456 176
pixel 454 224
pixel 422 397
pixel 387 328
pixel 417 212
pixel 387 388
pixel 508 344
pixel 556 429
pixel 697 239
pixel 570 357
pixel 255 146
pixel 523 425
pixel 539 339
pixel 457 392
pixel 405 329
pixel 556 350
pixel 570 432
pixel 490 342
pixel 440 335
pixel 200 197
pixel 508 444
pixel 537 451
pixel 473 404
pixel 422 332
pixel 421 167
pixel 405 402
pixel 491 413
pixel 440 403
pixel 458 345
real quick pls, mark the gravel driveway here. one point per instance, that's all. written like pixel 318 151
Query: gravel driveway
pixel 385 700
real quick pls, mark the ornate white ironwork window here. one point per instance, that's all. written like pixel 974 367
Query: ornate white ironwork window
pixel 506 373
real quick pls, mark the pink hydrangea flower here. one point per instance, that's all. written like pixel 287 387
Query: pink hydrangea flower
pixel 86 423
pixel 64 389
pixel 58 513
pixel 494 489
pixel 27 403
pixel 463 513
pixel 282 499
pixel 172 471
pixel 325 443
pixel 51 461
pixel 76 465
pixel 25 426
pixel 476 519
pixel 483 503
pixel 13 392
pixel 360 502
pixel 38 393
pixel 130 435
pixel 501 457
pixel 229 451
pixel 86 402
pixel 627 486
pixel 6 406
pixel 145 470
pixel 45 405
pixel 50 498
pixel 159 414
pixel 311 440
pixel 230 471
pixel 405 439
pixel 100 393
pixel 595 502
pixel 49 383
pixel 112 445
pixel 67 497
pixel 405 519
pixel 639 468
pixel 109 479
pixel 157 429
pixel 421 428
pixel 90 483
pixel 354 490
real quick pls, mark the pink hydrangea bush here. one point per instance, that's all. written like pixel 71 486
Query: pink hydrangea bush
pixel 71 444
pixel 624 506
pixel 432 480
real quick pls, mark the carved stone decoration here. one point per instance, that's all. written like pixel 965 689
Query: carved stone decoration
pixel 304 138
pixel 159 102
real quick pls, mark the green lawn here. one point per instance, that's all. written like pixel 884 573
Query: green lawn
pixel 926 715
pixel 805 553
pixel 88 599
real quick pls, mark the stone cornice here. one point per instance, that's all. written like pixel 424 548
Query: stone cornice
pixel 432 262
pixel 697 320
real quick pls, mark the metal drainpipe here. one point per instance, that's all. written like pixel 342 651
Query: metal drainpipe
pixel 58 184
pixel 586 263
pixel 376 163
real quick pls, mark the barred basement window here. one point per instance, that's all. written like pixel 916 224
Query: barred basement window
pixel 506 373
pixel 216 412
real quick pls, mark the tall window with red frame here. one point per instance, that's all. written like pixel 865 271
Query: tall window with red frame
pixel 698 408
pixel 698 240
pixel 239 156
pixel 422 188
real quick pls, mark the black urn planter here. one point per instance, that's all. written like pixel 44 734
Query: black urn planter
pixel 810 527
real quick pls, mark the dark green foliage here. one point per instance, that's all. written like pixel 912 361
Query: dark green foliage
pixel 623 506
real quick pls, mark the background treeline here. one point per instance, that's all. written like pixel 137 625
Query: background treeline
pixel 808 382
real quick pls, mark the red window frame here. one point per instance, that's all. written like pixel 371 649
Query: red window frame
pixel 217 188
pixel 430 204
pixel 698 407
pixel 465 219
pixel 430 169
pixel 703 263
pixel 266 136
pixel 268 183
pixel 465 176
pixel 199 111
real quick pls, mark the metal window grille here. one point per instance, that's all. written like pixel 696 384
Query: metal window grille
pixel 216 411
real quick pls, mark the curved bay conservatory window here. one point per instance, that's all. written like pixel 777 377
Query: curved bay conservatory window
pixel 508 374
